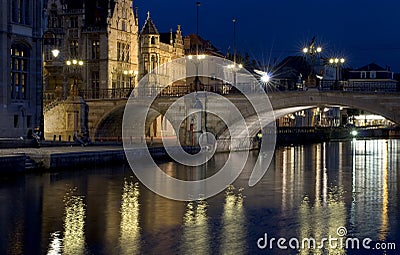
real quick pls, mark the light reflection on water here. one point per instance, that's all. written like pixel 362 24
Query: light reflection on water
pixel 309 191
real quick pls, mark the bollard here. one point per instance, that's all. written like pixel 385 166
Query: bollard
pixel 69 138
pixel 54 138
pixel 59 138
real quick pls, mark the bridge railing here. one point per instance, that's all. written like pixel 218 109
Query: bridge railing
pixel 181 90
pixel 103 94
pixel 162 91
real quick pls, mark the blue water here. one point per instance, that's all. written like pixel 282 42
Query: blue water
pixel 310 191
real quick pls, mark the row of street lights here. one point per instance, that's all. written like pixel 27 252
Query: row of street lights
pixel 312 50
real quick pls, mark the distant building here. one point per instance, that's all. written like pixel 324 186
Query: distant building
pixel 371 77
pixel 197 47
pixel 290 73
pixel 21 67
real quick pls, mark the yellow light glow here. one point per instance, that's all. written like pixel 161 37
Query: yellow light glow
pixel 305 50
pixel 319 49
pixel 80 62
pixel 74 61
pixel 55 52
pixel 68 62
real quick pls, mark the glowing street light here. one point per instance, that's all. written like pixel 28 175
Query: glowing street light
pixel 338 63
pixel 312 50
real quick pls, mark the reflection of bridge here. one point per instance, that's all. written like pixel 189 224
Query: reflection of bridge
pixel 106 107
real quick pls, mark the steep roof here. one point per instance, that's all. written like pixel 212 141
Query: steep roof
pixel 149 28
pixel 292 66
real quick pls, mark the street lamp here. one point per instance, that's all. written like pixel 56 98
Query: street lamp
pixel 337 63
pixel 131 74
pixel 197 18
pixel 74 63
pixel 312 50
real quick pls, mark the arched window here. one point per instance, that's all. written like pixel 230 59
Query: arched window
pixel 19 71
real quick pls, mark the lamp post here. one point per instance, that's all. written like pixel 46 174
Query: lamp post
pixel 197 18
pixel 312 50
pixel 337 63
pixel 132 74
pixel 74 64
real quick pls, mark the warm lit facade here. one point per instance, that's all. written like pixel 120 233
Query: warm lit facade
pixel 156 49
pixel 101 34
pixel 21 66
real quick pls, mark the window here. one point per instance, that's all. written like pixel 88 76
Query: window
pixel 73 22
pixel 21 12
pixel 123 25
pixel 153 40
pixel 363 75
pixel 16 121
pixel 95 49
pixel 118 51
pixel 95 85
pixel 19 71
pixel 372 75
pixel 122 52
pixel 74 48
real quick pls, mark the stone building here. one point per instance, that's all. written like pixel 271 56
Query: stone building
pixel 102 55
pixel 98 43
pixel 21 67
pixel 156 49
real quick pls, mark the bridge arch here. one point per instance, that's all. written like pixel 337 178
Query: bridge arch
pixel 386 105
pixel 107 125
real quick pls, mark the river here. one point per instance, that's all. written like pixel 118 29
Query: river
pixel 328 192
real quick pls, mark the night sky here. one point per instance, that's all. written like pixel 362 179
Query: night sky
pixel 362 31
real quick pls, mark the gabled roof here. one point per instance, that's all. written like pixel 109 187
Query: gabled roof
pixel 291 67
pixel 371 67
pixel 149 28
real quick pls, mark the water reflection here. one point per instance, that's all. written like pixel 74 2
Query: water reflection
pixel 129 241
pixel 74 224
pixel 309 192
pixel 233 223
pixel 196 236
pixel 371 175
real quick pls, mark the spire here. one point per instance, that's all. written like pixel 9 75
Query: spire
pixel 149 28
pixel 171 38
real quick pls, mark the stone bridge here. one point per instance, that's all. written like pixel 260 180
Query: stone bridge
pixel 104 116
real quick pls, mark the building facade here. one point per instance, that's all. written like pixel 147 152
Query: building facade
pixel 371 78
pixel 98 43
pixel 21 67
